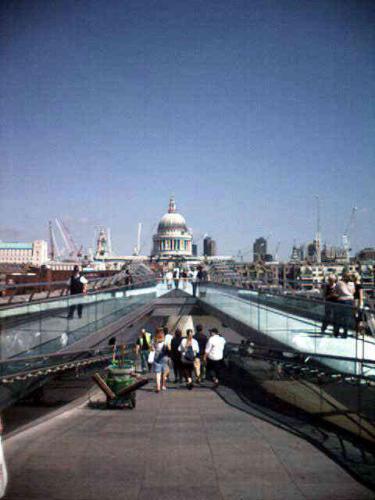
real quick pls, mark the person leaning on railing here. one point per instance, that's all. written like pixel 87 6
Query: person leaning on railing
pixel 330 297
pixel 343 316
pixel 358 303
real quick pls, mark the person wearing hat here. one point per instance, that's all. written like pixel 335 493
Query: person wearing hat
pixel 214 355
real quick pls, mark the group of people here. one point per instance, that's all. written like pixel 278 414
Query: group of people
pixel 343 304
pixel 194 275
pixel 193 356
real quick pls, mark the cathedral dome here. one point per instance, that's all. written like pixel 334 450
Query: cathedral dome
pixel 173 239
pixel 172 222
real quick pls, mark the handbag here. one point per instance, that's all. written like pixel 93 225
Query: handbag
pixel 151 357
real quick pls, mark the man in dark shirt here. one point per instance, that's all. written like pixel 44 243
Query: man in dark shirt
pixel 199 364
pixel 330 296
pixel 77 285
pixel 142 347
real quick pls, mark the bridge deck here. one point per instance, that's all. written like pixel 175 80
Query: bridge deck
pixel 174 445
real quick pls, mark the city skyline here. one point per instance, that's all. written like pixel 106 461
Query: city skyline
pixel 244 112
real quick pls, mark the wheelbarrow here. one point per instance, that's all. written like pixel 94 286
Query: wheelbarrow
pixel 121 383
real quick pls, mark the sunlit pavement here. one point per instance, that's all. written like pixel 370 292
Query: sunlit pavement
pixel 177 444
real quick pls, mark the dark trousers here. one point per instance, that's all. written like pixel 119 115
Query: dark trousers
pixel 329 312
pixel 195 286
pixel 176 283
pixel 73 307
pixel 214 369
pixel 177 369
pixel 187 369
pixel 344 317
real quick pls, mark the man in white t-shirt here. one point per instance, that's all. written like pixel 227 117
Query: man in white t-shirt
pixel 214 355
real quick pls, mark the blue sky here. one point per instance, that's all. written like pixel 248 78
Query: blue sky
pixel 244 110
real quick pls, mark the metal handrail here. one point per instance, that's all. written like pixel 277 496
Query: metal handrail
pixel 276 293
pixel 93 287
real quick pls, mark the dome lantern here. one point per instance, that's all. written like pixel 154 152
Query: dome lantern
pixel 172 206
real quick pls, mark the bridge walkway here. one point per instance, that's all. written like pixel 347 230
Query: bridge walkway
pixel 175 445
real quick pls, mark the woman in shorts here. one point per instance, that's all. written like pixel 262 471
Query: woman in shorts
pixel 160 364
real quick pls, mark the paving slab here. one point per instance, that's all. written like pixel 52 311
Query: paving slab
pixel 175 445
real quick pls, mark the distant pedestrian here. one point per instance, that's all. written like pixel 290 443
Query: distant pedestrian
pixel 359 315
pixel 160 364
pixel 169 279
pixel 176 277
pixel 77 285
pixel 184 277
pixel 214 355
pixel 194 281
pixel 176 356
pixel 142 347
pixel 330 297
pixel 128 278
pixel 344 308
pixel 189 350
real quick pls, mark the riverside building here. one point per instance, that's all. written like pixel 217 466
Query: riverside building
pixel 35 253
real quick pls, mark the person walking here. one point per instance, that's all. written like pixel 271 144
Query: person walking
pixel 214 355
pixel 189 350
pixel 168 341
pixel 184 277
pixel 77 285
pixel 330 296
pixel 344 308
pixel 142 349
pixel 160 364
pixel 176 356
pixel 176 277
pixel 194 281
pixel 169 279
pixel 199 362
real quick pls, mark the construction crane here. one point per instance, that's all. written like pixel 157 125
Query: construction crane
pixel 54 252
pixel 137 248
pixel 276 256
pixel 318 248
pixel 346 235
pixel 69 243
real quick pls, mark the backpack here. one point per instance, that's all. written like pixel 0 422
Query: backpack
pixel 188 355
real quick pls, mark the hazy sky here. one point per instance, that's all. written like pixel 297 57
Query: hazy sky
pixel 244 110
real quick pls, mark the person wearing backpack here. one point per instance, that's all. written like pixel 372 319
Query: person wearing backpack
pixel 160 362
pixel 189 349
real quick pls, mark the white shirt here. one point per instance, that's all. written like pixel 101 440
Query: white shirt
pixel 194 345
pixel 215 347
pixel 82 279
pixel 345 290
pixel 168 339
pixel 194 276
